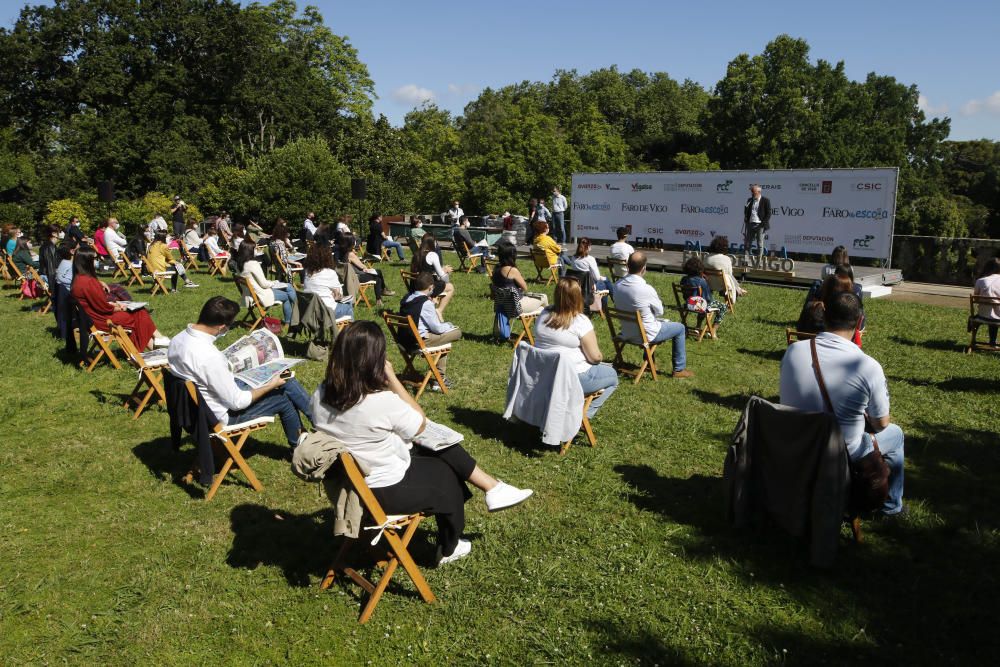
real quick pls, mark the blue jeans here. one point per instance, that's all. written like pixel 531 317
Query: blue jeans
pixel 607 284
pixel 286 401
pixel 343 310
pixel 558 226
pixel 286 295
pixel 890 443
pixel 599 376
pixel 678 332
pixel 393 244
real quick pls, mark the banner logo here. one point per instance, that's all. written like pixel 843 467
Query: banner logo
pixel 682 187
pixel 868 186
pixel 689 232
pixel 869 214
pixel 644 208
pixel 724 186
pixel 588 186
pixel 827 187
pixel 581 206
pixel 865 242
pixel 693 209
pixel 608 186
pixel 789 211
pixel 639 187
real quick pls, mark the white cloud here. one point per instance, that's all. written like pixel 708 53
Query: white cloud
pixel 929 109
pixel 412 94
pixel 461 89
pixel 990 105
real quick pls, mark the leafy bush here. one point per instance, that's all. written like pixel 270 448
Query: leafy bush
pixel 15 215
pixel 59 212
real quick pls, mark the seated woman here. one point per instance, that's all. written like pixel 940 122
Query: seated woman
pixel 347 255
pixel 694 278
pixel 415 234
pixel 988 284
pixel 837 258
pixel 103 255
pixel 811 317
pixel 268 291
pixel 718 260
pixel 281 245
pixel 64 269
pixel 542 242
pixel 565 328
pixel 378 238
pixel 210 248
pixel 428 260
pixel 159 258
pixel 48 257
pixel 192 239
pixel 323 281
pixel 362 403
pixel 583 261
pixel 507 277
pixel 92 296
pixel 22 256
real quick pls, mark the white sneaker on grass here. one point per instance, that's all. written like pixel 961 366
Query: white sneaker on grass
pixel 462 549
pixel 504 495
pixel 190 284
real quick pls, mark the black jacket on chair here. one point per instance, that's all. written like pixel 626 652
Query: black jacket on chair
pixel 197 420
pixel 763 211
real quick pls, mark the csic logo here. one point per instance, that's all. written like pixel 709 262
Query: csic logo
pixel 865 242
pixel 724 187
pixel 788 211
pixel 827 187
pixel 588 186
pixel 654 230
pixel 608 186
pixel 868 186
pixel 639 187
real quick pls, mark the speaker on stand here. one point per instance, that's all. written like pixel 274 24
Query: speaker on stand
pixel 106 194
pixel 359 192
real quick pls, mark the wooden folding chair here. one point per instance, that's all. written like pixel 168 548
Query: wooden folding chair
pixel 527 320
pixel 158 277
pixel 363 289
pixel 218 265
pixel 976 321
pixel 15 272
pixel 791 335
pixel 466 260
pixel 585 426
pixel 150 366
pixel 256 311
pixel 648 350
pixel 719 285
pixel 4 268
pixel 121 268
pixel 704 322
pixel 134 272
pixel 542 266
pixel 388 527
pixel 617 267
pixel 187 257
pixel 407 277
pixel 407 338
pixel 225 435
pixel 100 343
pixel 288 274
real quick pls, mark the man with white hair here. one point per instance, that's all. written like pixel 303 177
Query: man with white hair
pixel 756 220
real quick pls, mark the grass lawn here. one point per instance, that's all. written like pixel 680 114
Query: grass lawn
pixel 622 557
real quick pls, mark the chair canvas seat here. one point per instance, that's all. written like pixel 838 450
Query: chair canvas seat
pixel 250 423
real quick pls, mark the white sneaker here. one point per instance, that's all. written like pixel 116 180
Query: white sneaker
pixel 462 549
pixel 161 341
pixel 504 495
pixel 190 284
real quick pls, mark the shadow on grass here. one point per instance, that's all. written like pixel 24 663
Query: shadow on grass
pixel 618 645
pixel 733 401
pixel 490 425
pixel 971 385
pixel 947 345
pixel 773 355
pixel 486 339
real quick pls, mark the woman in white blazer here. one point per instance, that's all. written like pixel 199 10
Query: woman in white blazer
pixel 268 291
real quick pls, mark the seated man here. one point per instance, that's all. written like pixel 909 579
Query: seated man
pixel 633 293
pixel 620 250
pixel 856 386
pixel 553 251
pixel 419 305
pixel 193 356
pixel 460 234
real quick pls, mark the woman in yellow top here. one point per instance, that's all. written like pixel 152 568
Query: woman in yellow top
pixel 159 258
pixel 553 251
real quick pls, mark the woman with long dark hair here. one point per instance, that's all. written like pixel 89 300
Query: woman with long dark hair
pixel 508 276
pixel 91 294
pixel 346 254
pixel 322 280
pixel 362 404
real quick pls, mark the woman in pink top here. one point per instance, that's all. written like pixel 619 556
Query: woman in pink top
pixel 989 285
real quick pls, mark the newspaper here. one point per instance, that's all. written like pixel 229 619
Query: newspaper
pixel 438 436
pixel 256 358
pixel 132 306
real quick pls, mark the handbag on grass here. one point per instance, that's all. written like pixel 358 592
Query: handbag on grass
pixel 870 473
pixel 272 324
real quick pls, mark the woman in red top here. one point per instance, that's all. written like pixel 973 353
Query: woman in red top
pixel 92 296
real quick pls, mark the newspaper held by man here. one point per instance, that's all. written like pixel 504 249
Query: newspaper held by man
pixel 256 358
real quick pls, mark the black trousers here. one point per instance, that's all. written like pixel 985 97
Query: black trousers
pixel 434 484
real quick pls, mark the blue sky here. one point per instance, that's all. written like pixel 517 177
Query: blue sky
pixel 448 51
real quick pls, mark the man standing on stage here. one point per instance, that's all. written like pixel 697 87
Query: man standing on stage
pixel 756 220
pixel 558 214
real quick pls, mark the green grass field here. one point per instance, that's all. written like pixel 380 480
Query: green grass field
pixel 622 557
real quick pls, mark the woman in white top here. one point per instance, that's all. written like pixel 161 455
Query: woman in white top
pixel 268 291
pixel 718 260
pixel 192 239
pixel 322 280
pixel 989 285
pixel 428 260
pixel 585 262
pixel 211 244
pixel 362 404
pixel 837 258
pixel 564 327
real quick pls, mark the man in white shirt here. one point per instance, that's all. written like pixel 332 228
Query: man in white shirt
pixel 454 213
pixel 113 240
pixel 856 386
pixel 193 356
pixel 309 226
pixel 621 250
pixel 419 305
pixel 558 214
pixel 633 293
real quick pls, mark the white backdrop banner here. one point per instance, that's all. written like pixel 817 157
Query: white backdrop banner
pixel 813 209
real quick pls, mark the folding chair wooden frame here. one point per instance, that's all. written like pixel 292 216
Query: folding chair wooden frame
pixel 648 350
pixel 407 277
pixel 527 320
pixel 224 435
pixel 218 265
pixel 620 264
pixel 466 260
pixel 121 267
pixel 975 321
pixel 791 335
pixel 289 273
pixel 135 273
pixel 402 327
pixel 256 312
pixel 190 261
pixel 541 262
pixel 363 292
pixel 4 268
pixel 150 375
pixel 396 552
pixel 15 272
pixel 43 289
pixel 585 426
pixel 704 322
pixel 157 277
pixel 717 281
pixel 100 342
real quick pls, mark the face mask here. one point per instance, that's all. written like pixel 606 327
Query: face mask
pixel 62 235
